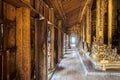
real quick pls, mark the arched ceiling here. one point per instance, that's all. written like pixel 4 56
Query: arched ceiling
pixel 68 10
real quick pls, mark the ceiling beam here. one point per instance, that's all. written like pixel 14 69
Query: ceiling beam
pixel 21 3
pixel 58 6
pixel 73 12
pixel 87 3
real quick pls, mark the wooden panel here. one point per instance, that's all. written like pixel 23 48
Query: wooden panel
pixel 41 50
pixel 1 6
pixel 73 20
pixel 36 49
pixel 70 5
pixel 46 12
pixel 0 66
pixel 1 21
pixel 32 3
pixel 37 5
pixel 41 7
pixel 11 37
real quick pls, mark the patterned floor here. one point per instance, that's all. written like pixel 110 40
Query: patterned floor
pixel 70 68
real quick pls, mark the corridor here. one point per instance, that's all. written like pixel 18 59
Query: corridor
pixel 70 68
pixel 37 38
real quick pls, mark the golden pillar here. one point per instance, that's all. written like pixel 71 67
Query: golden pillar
pixel 19 24
pixel 110 12
pixel 26 44
pixel 88 27
pixel 100 12
pixel 83 31
pixel 51 18
pixel 23 55
pixel 98 19
pixel 90 30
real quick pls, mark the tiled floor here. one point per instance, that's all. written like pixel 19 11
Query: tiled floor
pixel 70 68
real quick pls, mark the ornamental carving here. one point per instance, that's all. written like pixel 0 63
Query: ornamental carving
pixel 103 56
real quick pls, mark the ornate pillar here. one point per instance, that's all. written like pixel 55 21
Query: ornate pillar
pixel 110 12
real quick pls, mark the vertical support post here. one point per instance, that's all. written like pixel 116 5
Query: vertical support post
pixel 83 31
pixel 8 64
pixel 59 40
pixel 26 44
pixel 51 12
pixel 19 53
pixel 97 18
pixel 23 55
pixel 42 49
pixel 88 27
pixel 9 41
pixel 66 41
pixel 110 12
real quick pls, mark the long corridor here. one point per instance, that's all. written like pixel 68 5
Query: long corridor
pixel 70 68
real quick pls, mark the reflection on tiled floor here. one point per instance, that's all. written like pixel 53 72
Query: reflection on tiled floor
pixel 70 68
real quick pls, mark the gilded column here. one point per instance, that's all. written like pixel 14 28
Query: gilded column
pixel 88 27
pixel 26 42
pixel 83 31
pixel 110 12
pixel 102 12
pixel 19 53
pixel 98 19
